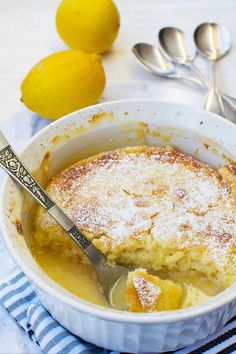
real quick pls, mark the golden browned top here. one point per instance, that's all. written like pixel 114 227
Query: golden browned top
pixel 155 194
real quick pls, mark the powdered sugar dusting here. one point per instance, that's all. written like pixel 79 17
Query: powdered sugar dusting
pixel 154 193
pixel 148 292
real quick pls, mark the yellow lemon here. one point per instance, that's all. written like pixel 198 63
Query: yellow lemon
pixel 88 25
pixel 63 82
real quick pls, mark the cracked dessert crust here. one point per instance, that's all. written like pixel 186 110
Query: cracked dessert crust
pixel 153 207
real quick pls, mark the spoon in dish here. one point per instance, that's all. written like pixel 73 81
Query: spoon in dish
pixel 212 42
pixel 108 276
pixel 175 44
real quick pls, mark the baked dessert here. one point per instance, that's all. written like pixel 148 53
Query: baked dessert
pixel 150 207
pixel 148 293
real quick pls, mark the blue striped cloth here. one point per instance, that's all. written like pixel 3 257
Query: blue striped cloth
pixel 20 300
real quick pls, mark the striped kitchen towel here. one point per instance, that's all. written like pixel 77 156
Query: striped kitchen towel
pixel 20 300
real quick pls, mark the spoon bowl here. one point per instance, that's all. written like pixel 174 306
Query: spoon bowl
pixel 212 40
pixel 174 43
pixel 153 60
pixel 180 50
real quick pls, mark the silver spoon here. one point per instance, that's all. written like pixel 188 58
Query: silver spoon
pixel 108 276
pixel 153 60
pixel 175 44
pixel 213 42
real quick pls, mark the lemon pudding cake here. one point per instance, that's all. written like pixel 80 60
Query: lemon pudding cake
pixel 148 293
pixel 149 207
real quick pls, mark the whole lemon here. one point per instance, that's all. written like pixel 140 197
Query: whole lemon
pixel 63 82
pixel 88 25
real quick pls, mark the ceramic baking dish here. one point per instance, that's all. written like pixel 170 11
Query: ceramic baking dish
pixel 105 127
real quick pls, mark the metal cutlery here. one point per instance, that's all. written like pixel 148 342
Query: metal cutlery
pixel 108 276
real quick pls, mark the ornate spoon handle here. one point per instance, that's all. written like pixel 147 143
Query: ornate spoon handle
pixel 14 166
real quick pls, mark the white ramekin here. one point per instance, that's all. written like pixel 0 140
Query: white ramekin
pixel 128 122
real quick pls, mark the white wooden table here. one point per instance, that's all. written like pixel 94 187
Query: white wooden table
pixel 27 33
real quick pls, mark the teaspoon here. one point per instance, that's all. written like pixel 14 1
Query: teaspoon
pixel 212 42
pixel 153 60
pixel 108 276
pixel 180 51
